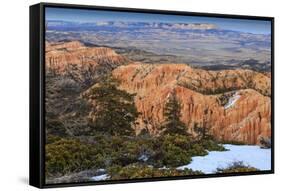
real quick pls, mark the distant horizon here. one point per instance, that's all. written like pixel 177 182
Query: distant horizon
pixel 94 16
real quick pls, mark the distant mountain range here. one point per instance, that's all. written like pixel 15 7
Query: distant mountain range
pixel 120 24
pixel 201 45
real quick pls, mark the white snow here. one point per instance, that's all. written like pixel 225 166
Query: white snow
pixel 100 177
pixel 101 170
pixel 232 101
pixel 250 155
pixel 143 158
pixel 163 168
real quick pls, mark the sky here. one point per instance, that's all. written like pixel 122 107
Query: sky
pixel 83 15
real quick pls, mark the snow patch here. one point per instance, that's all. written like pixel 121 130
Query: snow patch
pixel 100 177
pixel 164 168
pixel 101 170
pixel 143 158
pixel 250 155
pixel 232 100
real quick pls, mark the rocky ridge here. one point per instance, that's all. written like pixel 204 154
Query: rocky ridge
pixel 234 104
pixel 246 119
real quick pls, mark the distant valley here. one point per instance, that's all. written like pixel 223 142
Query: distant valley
pixel 201 45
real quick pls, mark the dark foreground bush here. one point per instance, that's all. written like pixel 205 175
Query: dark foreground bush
pixel 171 151
pixel 69 155
pixel 212 145
pixel 177 150
pixel 237 167
pixel 134 171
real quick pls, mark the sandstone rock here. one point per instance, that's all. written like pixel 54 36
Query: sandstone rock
pixel 59 59
pixel 82 64
pixel 246 120
pixel 246 93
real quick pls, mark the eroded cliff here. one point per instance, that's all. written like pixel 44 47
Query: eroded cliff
pixel 244 115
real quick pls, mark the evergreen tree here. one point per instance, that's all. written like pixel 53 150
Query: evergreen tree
pixel 173 124
pixel 203 131
pixel 115 111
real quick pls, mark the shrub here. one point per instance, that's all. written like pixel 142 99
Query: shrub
pixel 135 171
pixel 105 151
pixel 51 139
pixel 174 156
pixel 55 127
pixel 197 150
pixel 237 167
pixel 69 155
pixel 116 112
pixel 212 145
pixel 176 150
pixel 171 150
pixel 68 85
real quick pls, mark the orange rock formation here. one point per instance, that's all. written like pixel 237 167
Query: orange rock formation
pixel 246 120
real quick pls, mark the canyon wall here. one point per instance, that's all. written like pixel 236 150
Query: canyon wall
pixel 244 118
pixel 234 104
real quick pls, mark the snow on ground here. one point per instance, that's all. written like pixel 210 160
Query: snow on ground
pixel 164 168
pixel 143 158
pixel 232 101
pixel 101 170
pixel 250 155
pixel 100 177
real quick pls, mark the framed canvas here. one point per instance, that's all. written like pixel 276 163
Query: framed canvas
pixel 121 95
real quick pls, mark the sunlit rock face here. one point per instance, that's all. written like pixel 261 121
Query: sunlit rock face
pixel 244 116
pixel 234 104
pixel 80 62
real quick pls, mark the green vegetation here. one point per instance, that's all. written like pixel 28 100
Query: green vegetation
pixel 55 127
pixel 173 124
pixel 204 136
pixel 237 167
pixel 203 132
pixel 115 111
pixel 223 99
pixel 135 171
pixel 108 140
pixel 173 151
pixel 68 155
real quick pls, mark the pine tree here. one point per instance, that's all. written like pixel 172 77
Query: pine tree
pixel 173 124
pixel 116 112
pixel 203 131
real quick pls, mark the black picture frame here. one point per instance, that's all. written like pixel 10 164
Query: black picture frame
pixel 37 93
